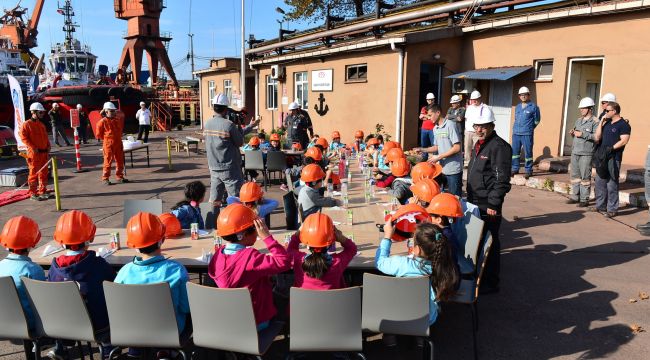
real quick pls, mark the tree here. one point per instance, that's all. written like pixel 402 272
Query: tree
pixel 315 10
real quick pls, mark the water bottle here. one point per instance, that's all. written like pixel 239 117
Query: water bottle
pixel 349 176
pixel 330 189
pixel 372 187
pixel 409 245
pixel 344 189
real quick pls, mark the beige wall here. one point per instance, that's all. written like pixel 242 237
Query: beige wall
pixel 625 68
pixel 219 77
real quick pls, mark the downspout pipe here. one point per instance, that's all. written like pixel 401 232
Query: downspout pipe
pixel 400 91
pixel 257 89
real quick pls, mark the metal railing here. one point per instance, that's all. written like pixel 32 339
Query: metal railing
pixel 161 115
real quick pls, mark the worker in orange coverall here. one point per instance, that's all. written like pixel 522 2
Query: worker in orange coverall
pixel 34 135
pixel 109 130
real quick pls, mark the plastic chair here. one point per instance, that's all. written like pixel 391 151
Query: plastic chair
pixel 63 313
pixel 13 322
pixel 473 230
pixel 132 207
pixel 338 315
pixel 276 161
pixel 253 160
pixel 397 306
pixel 289 182
pixel 468 291
pixel 142 316
pixel 207 211
pixel 233 328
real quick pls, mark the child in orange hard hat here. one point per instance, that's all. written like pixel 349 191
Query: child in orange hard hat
pixel 252 196
pixel 398 181
pixel 188 210
pixel 309 197
pixel 275 144
pixel 445 208
pixel 254 145
pixel 336 142
pixel 358 145
pixel 238 264
pixel 75 230
pixel 318 270
pixel 424 191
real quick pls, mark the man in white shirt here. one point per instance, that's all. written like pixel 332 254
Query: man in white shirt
pixel 144 119
pixel 475 110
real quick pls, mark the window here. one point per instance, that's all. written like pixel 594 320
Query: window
pixel 544 70
pixel 212 90
pixel 227 88
pixel 271 93
pixel 356 73
pixel 301 88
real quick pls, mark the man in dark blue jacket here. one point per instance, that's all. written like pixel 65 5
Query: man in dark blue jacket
pixel 527 117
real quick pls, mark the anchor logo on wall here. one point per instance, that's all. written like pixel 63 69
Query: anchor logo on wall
pixel 321 111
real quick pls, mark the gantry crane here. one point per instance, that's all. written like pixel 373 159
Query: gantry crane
pixel 22 33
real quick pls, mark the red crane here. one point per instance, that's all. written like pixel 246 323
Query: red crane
pixel 22 33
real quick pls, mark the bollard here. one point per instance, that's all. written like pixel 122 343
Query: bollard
pixel 77 152
pixel 169 154
pixel 55 175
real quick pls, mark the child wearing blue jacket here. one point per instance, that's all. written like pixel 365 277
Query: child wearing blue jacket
pixel 75 230
pixel 252 196
pixel 188 210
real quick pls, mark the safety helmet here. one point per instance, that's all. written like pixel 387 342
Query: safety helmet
pixel 36 107
pixel 144 229
pixel 109 106
pixel 254 141
pixel 294 106
pixel 425 189
pixel 445 204
pixel 608 97
pixel 314 153
pixel 336 135
pixel 523 90
pixel 221 100
pixel 400 167
pixel 317 231
pixel 172 225
pixel 388 145
pixel 297 147
pixel 20 232
pixel 455 99
pixel 394 154
pixel 55 105
pixel 486 117
pixel 321 141
pixel 274 137
pixel 475 95
pixel 250 192
pixel 234 219
pixel 311 173
pixel 586 103
pixel 425 170
pixel 359 134
pixel 373 141
pixel 406 219
pixel 142 103
pixel 430 96
pixel 73 228
pixel 79 106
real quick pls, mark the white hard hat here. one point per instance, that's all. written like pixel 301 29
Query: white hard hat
pixel 486 117
pixel 55 104
pixel 586 102
pixel 220 99
pixel 109 106
pixel 79 106
pixel 142 103
pixel 455 99
pixel 294 106
pixel 36 107
pixel 608 97
pixel 430 96
pixel 523 90
pixel 475 95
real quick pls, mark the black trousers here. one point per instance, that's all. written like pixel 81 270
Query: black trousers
pixel 493 266
pixel 83 137
pixel 144 129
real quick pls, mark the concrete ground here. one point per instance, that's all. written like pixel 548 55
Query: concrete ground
pixel 568 276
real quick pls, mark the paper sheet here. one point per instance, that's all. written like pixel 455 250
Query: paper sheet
pixel 49 250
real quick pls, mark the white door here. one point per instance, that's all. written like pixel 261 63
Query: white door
pixel 501 104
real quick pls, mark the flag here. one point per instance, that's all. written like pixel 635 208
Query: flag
pixel 60 11
pixel 19 109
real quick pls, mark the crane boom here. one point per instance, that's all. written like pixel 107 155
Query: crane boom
pixel 36 15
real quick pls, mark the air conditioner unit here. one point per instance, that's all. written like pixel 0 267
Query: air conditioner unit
pixel 463 86
pixel 277 72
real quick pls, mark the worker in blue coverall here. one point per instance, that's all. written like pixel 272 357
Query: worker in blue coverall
pixel 527 117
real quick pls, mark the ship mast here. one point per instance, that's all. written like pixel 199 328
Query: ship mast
pixel 69 26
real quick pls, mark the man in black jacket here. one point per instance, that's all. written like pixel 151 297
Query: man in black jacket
pixel 488 182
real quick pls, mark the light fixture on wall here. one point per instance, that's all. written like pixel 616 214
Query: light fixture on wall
pixel 436 57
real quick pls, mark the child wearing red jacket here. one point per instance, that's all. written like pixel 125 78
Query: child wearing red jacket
pixel 237 264
pixel 318 270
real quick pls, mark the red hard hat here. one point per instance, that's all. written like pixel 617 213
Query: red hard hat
pixel 314 153
pixel 172 225
pixel 250 192
pixel 73 228
pixel 445 204
pixel 321 141
pixel 19 233
pixel 311 173
pixel 234 219
pixel 254 141
pixel 143 230
pixel 400 167
pixel 358 134
pixel 317 231
pixel 406 219
pixel 274 137
pixel 425 189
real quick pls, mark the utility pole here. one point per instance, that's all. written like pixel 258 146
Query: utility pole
pixel 242 71
pixel 191 54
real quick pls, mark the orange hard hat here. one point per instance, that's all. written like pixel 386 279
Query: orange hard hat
pixel 250 191
pixel 400 167
pixel 358 134
pixel 406 219
pixel 317 231
pixel 445 204
pixel 20 232
pixel 336 135
pixel 172 225
pixel 296 147
pixel 394 154
pixel 314 153
pixel 389 145
pixel 234 219
pixel 425 189
pixel 254 141
pixel 425 170
pixel 322 142
pixel 144 229
pixel 311 173
pixel 274 137
pixel 73 228
pixel 373 141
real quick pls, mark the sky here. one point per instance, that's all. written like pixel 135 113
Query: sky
pixel 215 24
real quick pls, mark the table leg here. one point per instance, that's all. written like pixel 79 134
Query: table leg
pixel 131 152
pixel 148 156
